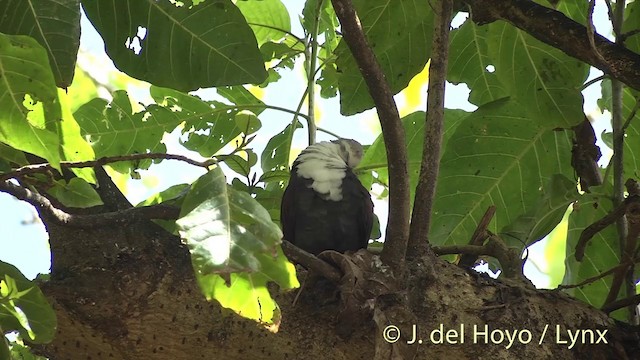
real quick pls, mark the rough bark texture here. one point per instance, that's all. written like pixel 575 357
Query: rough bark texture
pixel 128 292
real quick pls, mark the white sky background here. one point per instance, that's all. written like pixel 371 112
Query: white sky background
pixel 23 240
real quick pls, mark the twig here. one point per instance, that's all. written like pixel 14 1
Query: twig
pixel 434 128
pixel 478 237
pixel 397 232
pixel 46 167
pixel 619 304
pixel 160 211
pixel 311 262
pixel 591 31
pixel 509 259
pixel 593 278
pixel 593 81
pixel 311 71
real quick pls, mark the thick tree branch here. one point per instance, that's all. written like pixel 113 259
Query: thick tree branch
pixel 160 211
pixel 397 233
pixel 433 132
pixel 554 28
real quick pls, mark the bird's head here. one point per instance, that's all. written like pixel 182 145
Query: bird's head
pixel 351 151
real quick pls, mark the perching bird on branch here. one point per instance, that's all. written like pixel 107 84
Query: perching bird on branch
pixel 325 207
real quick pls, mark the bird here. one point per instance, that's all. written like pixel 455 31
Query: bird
pixel 325 206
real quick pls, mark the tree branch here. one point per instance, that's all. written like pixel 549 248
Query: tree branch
pixel 309 261
pixel 46 167
pixel 397 232
pixel 160 211
pixel 434 128
pixel 554 28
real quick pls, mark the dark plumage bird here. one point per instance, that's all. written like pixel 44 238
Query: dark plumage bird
pixel 325 207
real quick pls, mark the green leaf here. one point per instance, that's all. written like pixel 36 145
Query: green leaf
pixel 375 157
pixel 76 193
pixel 28 99
pixel 242 98
pixel 469 63
pixel 278 150
pixel 602 252
pixel 230 236
pixel 399 33
pixel 55 24
pixel 113 129
pixel 184 48
pixel 209 125
pixel 238 164
pixel 24 308
pixel 543 79
pixel 544 215
pixel 269 19
pixel 499 155
pixel 225 229
pixel 248 122
pixel 247 293
pixel 631 23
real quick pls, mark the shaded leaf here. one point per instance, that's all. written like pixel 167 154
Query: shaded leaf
pixel 24 308
pixel 76 193
pixel 499 155
pixel 210 44
pixel 55 24
pixel 399 33
pixel 543 79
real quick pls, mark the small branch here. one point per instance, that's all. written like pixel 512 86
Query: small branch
pixel 594 278
pixel 397 232
pixel 593 81
pixel 330 133
pixel 434 129
pixel 46 167
pixel 311 72
pixel 311 262
pixel 479 236
pixel 596 227
pixel 591 30
pixel 509 259
pixel 619 304
pixel 117 218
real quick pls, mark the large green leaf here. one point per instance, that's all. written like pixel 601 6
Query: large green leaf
pixel 499 155
pixel 75 193
pixel 278 150
pixel 544 215
pixel 28 98
pixel 602 252
pixel 632 23
pixel 55 24
pixel 543 79
pixel 23 307
pixel 399 33
pixel 224 228
pixel 247 293
pixel 113 129
pixel 469 63
pixel 269 19
pixel 375 158
pixel 234 247
pixel 182 47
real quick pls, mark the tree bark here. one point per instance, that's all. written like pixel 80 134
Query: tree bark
pixel 128 292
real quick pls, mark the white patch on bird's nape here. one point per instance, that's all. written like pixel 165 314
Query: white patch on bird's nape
pixel 325 164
